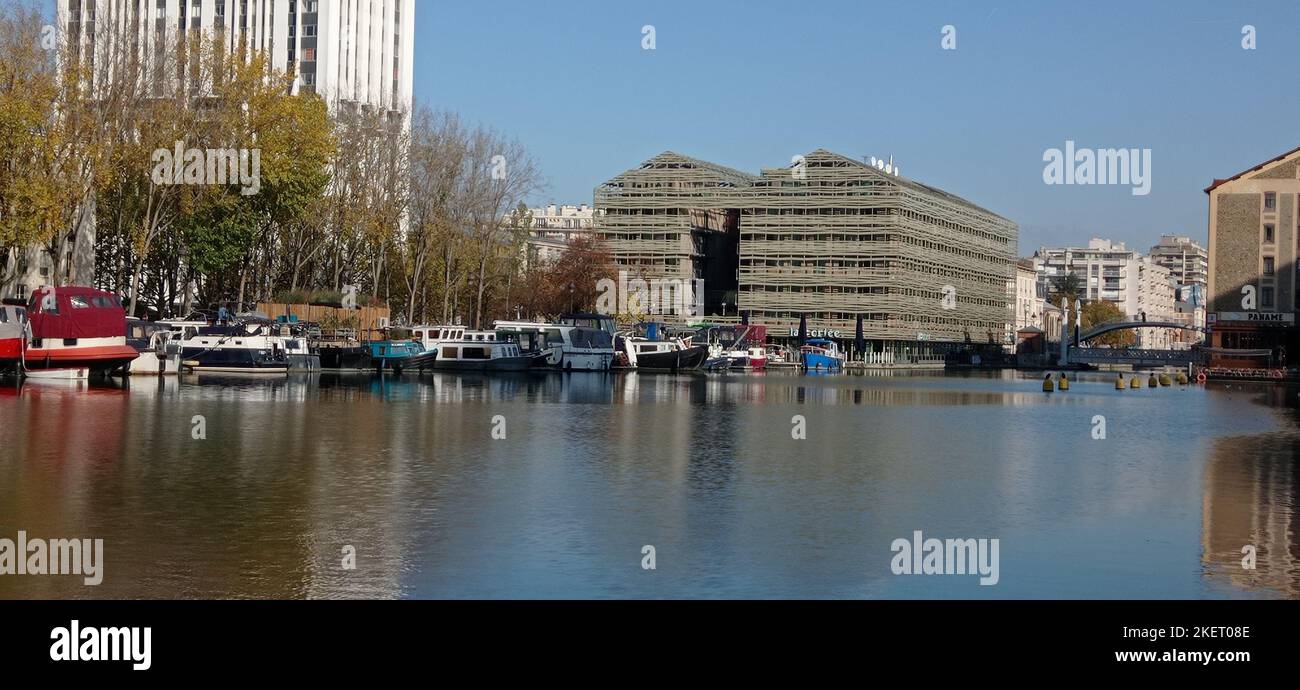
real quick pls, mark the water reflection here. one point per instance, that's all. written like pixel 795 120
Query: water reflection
pixel 1252 487
pixel 591 467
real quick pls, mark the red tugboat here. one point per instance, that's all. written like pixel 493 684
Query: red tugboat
pixel 74 330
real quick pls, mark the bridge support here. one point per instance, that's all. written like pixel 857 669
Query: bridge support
pixel 1064 359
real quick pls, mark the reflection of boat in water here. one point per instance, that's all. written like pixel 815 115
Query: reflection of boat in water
pixel 580 342
pixel 820 353
pixel 72 332
pixel 459 349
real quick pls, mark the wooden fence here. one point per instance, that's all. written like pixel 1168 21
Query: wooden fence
pixel 362 319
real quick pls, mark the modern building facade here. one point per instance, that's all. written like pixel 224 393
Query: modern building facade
pixel 826 238
pixel 1254 278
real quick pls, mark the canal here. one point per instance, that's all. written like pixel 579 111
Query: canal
pixel 552 485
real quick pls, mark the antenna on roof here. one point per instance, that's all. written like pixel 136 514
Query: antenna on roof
pixel 883 165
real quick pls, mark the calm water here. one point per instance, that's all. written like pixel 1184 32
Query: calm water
pixel 704 468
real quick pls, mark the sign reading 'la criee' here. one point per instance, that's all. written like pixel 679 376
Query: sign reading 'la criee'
pixel 818 333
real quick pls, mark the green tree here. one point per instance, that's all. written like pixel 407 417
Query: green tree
pixel 1065 287
pixel 27 89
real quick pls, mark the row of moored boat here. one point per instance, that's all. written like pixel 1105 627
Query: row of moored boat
pixel 70 332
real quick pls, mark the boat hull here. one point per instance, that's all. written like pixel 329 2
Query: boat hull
pixel 812 360
pixel 150 364
pixel 95 358
pixel 345 359
pixel 233 360
pixel 421 361
pixel 11 349
pixel 300 363
pixel 585 361
pixel 679 360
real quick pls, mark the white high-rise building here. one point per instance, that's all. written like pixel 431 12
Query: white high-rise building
pixel 348 51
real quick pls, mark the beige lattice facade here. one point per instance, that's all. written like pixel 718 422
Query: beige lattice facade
pixel 829 237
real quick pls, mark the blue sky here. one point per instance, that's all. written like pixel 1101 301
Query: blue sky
pixel 750 84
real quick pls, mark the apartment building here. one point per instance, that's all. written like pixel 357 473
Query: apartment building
pixel 1254 278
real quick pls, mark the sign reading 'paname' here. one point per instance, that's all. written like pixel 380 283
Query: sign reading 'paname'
pixel 1255 317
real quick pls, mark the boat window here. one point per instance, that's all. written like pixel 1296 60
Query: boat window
pixel 103 302
pixel 554 337
pixel 435 334
pixel 648 348
pixel 450 353
pixel 476 353
pixel 79 302
pixel 4 316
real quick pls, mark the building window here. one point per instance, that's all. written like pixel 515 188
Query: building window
pixel 1266 297
pixel 1270 201
pixel 1270 266
pixel 1269 233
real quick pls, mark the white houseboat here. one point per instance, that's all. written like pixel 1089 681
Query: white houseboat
pixel 563 346
pixel 462 349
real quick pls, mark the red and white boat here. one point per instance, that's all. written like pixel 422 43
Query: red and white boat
pixel 71 332
pixel 13 330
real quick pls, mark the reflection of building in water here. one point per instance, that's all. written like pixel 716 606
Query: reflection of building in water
pixel 1251 491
